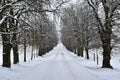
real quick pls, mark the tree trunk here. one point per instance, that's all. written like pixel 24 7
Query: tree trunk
pixel 80 51
pixel 25 51
pixel 16 55
pixel 106 52
pixel 87 53
pixel 106 56
pixel 6 45
pixel 15 49
pixel 40 52
pixel 106 44
pixel 32 53
pixel 6 51
pixel 86 48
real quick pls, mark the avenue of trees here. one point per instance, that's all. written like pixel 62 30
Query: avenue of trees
pixel 85 25
pixel 25 22
pixel 90 25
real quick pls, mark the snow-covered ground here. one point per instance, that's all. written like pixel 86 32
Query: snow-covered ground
pixel 60 64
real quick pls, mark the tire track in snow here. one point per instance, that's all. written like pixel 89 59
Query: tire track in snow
pixel 58 69
pixel 68 66
pixel 50 68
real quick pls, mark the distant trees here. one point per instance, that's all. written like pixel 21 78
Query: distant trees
pixel 41 35
pixel 78 28
pixel 46 34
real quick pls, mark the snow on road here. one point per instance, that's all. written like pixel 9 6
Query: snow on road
pixel 59 64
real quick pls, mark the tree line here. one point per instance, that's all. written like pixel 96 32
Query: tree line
pixel 26 22
pixel 89 25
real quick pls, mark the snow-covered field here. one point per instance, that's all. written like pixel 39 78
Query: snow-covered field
pixel 60 64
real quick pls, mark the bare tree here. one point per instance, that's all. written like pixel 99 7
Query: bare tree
pixel 105 25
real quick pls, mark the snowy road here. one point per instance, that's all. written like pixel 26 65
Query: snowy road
pixel 59 65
